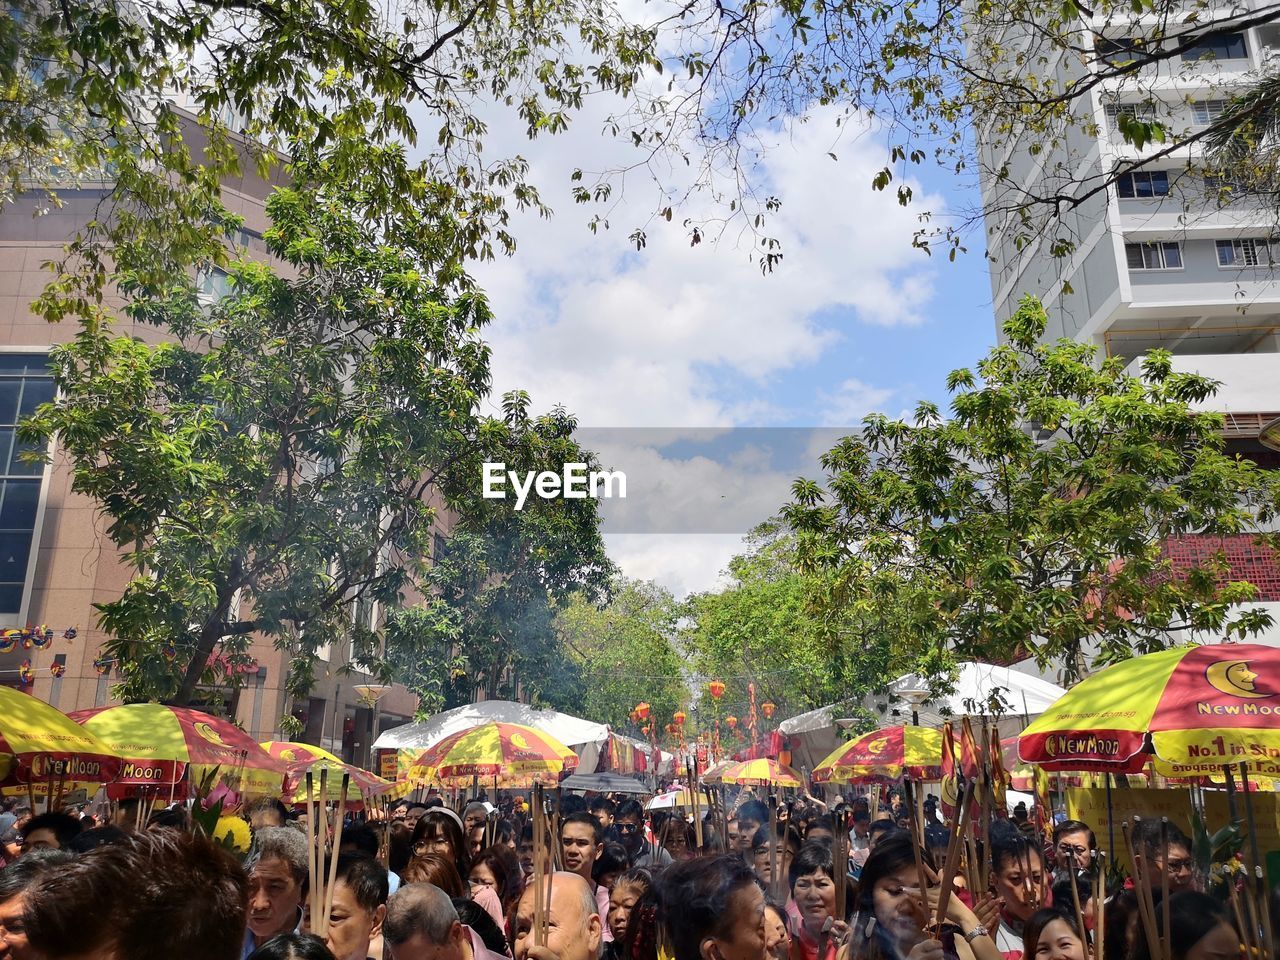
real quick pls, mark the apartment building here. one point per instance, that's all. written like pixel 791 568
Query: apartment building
pixel 1173 255
pixel 55 559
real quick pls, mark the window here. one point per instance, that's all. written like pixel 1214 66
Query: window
pixel 1139 111
pixel 25 383
pixel 1249 252
pixel 1118 51
pixel 1205 112
pixel 1143 184
pixel 214 284
pixel 1153 256
pixel 1223 46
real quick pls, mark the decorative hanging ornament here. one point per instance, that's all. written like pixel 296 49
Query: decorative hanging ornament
pixel 645 729
pixel 26 673
pixel 767 709
pixel 103 665
pixel 716 689
pixel 27 639
pixel 42 636
pixel 731 721
pixel 634 717
pixel 671 728
pixel 642 710
pixel 69 633
pixel 679 717
pixel 57 669
pixel 169 651
pixel 9 640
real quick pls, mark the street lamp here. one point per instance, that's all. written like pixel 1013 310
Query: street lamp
pixel 916 697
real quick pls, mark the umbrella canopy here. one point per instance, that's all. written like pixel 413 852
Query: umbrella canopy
pixel 886 754
pixel 496 749
pixel 713 772
pixel 761 773
pixel 41 744
pixel 672 799
pixel 1196 708
pixel 301 757
pixel 604 783
pixel 160 744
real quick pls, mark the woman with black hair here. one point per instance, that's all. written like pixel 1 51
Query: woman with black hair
pixel 1053 934
pixel 439 831
pixel 894 918
pixel 292 946
pixel 1200 928
pixel 712 909
pixel 822 925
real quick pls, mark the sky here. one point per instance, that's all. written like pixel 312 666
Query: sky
pixel 853 320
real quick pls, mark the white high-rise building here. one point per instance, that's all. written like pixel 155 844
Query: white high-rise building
pixel 1170 256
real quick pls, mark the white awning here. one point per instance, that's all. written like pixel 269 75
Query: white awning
pixel 571 731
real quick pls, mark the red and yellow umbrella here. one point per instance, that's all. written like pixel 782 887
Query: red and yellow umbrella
pixel 1197 709
pixel 507 750
pixel 301 757
pixel 172 747
pixel 761 773
pixel 41 744
pixel 887 754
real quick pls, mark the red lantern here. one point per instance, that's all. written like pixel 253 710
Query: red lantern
pixel 642 710
pixel 679 717
pixel 716 688
pixel 767 709
pixel 731 721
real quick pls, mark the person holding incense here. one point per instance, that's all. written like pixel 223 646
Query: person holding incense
pixel 353 930
pixel 1162 848
pixel 581 844
pixel 625 892
pixel 1019 884
pixel 439 831
pixel 422 924
pixel 820 927
pixel 895 921
pixel 712 909
pixel 570 924
pixel 1199 928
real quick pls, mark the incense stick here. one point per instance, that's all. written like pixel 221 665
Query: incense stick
pixel 327 905
pixel 311 846
pixel 1146 910
pixel 916 831
pixel 953 855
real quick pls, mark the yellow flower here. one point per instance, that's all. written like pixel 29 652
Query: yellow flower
pixel 235 831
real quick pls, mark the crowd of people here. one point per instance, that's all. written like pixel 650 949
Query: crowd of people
pixel 434 883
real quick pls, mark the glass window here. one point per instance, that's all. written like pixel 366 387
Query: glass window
pixel 1143 184
pixel 1205 112
pixel 1118 51
pixel 1153 256
pixel 25 383
pixel 1223 46
pixel 1248 252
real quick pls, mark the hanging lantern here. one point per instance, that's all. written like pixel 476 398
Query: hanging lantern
pixel 69 633
pixel 767 709
pixel 103 665
pixel 57 669
pixel 41 636
pixel 169 651
pixel 642 710
pixel 9 640
pixel 731 721
pixel 26 675
pixel 679 717
pixel 716 689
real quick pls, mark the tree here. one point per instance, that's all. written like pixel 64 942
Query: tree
pixel 620 653
pixel 278 463
pixel 766 628
pixel 1032 520
pixel 1245 150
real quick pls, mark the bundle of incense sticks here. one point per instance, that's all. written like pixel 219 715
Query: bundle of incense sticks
pixel 916 823
pixel 1262 936
pixel 840 862
pixel 321 887
pixel 541 867
pixel 954 847
pixel 775 887
pixel 1141 867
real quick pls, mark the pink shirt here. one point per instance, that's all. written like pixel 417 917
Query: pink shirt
pixel 480 951
pixel 486 898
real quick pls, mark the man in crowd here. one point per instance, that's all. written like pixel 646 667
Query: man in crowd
pixel 422 924
pixel 573 921
pixel 1018 880
pixel 267 812
pixel 159 895
pixel 277 886
pixel 752 815
pixel 581 844
pixel 359 907
pixel 50 831
pixel 603 809
pixel 475 814
pixel 1164 849
pixel 630 824
pixel 1073 846
pixel 15 880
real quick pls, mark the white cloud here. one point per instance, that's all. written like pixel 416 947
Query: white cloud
pixel 650 338
pixel 683 563
pixel 851 401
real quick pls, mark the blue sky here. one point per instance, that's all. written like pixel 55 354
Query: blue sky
pixel 854 319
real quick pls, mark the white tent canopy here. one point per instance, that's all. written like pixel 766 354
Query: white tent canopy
pixel 980 689
pixel 584 737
